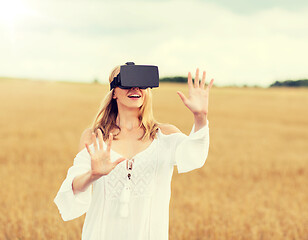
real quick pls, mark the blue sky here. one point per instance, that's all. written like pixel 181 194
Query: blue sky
pixel 236 42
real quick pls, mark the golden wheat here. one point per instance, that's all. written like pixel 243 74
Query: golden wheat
pixel 253 185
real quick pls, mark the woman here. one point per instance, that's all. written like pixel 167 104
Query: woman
pixel 124 185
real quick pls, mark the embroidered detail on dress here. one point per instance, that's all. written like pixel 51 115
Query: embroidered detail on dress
pixel 142 176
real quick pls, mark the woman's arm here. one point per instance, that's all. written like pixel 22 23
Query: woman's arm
pixel 75 194
pixel 191 152
pixel 187 152
pixel 82 182
pixel 73 205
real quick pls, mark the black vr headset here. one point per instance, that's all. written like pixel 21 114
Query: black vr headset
pixel 131 75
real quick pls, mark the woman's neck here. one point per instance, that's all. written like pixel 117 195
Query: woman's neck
pixel 128 119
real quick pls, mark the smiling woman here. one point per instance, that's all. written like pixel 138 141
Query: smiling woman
pixel 123 184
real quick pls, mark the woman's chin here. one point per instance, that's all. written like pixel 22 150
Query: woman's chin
pixel 135 105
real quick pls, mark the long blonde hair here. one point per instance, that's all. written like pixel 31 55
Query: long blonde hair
pixel 107 115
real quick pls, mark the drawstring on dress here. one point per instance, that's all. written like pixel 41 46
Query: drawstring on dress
pixel 126 191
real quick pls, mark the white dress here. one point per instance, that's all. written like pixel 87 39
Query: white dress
pixel 150 184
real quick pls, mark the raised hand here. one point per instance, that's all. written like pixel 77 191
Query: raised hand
pixel 100 159
pixel 198 99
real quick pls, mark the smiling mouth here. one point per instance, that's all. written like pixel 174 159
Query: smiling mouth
pixel 134 96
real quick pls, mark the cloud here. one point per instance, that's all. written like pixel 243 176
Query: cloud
pixel 79 40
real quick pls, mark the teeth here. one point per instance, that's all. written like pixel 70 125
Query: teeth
pixel 134 95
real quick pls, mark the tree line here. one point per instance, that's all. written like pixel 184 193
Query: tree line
pixel 286 83
pixel 291 83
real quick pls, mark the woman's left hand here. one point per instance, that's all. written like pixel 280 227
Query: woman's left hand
pixel 198 99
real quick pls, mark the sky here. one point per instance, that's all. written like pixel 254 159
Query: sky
pixel 236 42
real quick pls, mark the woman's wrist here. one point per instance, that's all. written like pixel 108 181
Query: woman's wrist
pixel 94 176
pixel 200 120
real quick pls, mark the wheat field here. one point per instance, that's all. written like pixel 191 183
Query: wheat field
pixel 253 186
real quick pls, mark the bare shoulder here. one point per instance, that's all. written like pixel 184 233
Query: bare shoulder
pixel 86 137
pixel 168 129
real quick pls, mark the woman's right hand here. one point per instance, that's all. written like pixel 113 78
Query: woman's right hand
pixel 100 159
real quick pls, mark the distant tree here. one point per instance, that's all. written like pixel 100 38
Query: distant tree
pixel 291 83
pixel 177 79
pixel 95 81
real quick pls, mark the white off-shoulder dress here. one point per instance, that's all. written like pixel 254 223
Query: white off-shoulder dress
pixel 147 208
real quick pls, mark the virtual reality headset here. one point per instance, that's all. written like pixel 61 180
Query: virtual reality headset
pixel 131 75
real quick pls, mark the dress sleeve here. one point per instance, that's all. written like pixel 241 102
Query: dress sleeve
pixel 72 205
pixel 190 152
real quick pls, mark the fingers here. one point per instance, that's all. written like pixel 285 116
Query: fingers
pixel 94 141
pixel 203 80
pixel 202 84
pixel 190 83
pixel 197 78
pixel 109 142
pixel 211 84
pixel 89 151
pixel 182 96
pixel 100 139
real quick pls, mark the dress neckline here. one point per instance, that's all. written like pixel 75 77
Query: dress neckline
pixel 139 153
